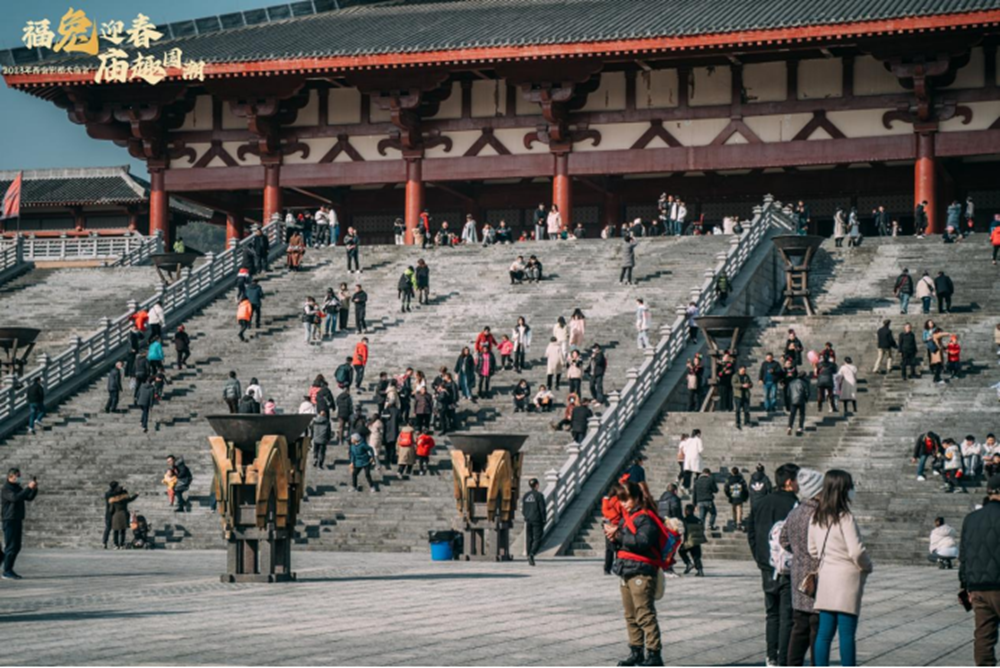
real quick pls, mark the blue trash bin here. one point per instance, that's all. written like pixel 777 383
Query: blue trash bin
pixel 442 551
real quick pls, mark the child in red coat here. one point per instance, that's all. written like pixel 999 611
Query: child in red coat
pixel 611 509
pixel 425 446
pixel 954 351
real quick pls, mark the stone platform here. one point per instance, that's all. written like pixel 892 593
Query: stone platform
pixel 169 608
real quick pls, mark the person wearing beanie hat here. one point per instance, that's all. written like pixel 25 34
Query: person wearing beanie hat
pixel 794 538
pixel 979 571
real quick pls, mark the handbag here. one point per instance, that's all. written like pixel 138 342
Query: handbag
pixel 810 582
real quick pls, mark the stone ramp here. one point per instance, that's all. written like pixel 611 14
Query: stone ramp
pixel 70 302
pixel 81 448
pixel 896 512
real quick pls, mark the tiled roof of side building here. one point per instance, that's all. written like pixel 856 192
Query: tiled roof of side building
pixel 89 186
pixel 406 26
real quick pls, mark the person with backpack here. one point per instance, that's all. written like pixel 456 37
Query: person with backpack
pixel 798 398
pixel 722 287
pixel 903 290
pixel 737 492
pixel 767 518
pixel 331 309
pixel 344 373
pixel 794 539
pixel 359 362
pixel 925 292
pixel 703 497
pixel 645 547
pixel 231 393
pixel 760 485
pixel 404 288
pixel 694 538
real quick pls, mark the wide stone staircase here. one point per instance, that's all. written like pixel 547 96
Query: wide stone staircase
pixel 896 512
pixel 69 302
pixel 81 448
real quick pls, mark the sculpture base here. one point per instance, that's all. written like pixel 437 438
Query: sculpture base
pixel 487 543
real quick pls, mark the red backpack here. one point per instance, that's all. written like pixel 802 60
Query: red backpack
pixel 670 541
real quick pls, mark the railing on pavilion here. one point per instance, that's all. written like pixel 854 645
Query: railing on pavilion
pixel 121 251
pixel 64 374
pixel 563 485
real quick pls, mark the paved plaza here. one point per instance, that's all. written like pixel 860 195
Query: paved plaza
pixel 165 607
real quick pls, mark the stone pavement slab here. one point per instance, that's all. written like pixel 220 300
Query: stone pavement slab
pixel 169 608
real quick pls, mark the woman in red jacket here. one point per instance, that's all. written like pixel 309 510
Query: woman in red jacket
pixel 611 509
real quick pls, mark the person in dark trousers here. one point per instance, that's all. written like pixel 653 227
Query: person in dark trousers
pixel 768 376
pixel 345 409
pixel 798 398
pixel 184 479
pixel 36 404
pixel 737 492
pixel 694 538
pixel 182 346
pixel 135 341
pixel 944 288
pixel 777 586
pixel 794 538
pixel 112 487
pixel 597 367
pixel 142 373
pixel 360 301
pixel 352 242
pixel 979 571
pixel 705 489
pixel 145 400
pixel 742 386
pixel 908 351
pixel 255 295
pixel 578 420
pixel 628 260
pixel 114 388
pixel 903 290
pixel 12 512
pixel 533 509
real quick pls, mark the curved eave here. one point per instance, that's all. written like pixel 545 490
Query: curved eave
pixel 482 55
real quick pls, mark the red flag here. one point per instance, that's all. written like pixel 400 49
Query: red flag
pixel 12 200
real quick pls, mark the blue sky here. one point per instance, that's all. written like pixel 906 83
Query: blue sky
pixel 35 133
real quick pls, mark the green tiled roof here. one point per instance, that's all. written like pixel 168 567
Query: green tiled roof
pixel 403 26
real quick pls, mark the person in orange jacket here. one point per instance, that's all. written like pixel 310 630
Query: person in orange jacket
pixel 995 238
pixel 425 446
pixel 359 361
pixel 243 313
pixel 611 509
pixel 141 318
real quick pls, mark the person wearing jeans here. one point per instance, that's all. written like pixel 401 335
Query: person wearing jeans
pixel 36 404
pixel 844 565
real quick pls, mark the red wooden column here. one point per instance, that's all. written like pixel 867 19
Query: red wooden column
pixel 562 188
pixel 159 210
pixel 234 226
pixel 925 180
pixel 272 190
pixel 414 195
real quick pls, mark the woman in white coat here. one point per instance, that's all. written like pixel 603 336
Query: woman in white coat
pixel 521 338
pixel 847 380
pixel 554 363
pixel 553 222
pixel 689 451
pixel 560 330
pixel 844 565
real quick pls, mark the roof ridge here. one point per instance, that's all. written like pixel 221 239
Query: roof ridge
pixel 67 173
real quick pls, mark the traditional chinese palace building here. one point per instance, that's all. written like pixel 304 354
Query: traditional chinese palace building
pixel 492 106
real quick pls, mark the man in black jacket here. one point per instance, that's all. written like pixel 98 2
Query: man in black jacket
pixel 578 420
pixel 944 288
pixel 768 376
pixel 360 300
pixel 36 403
pixel 261 247
pixel 598 365
pixel 182 346
pixel 12 500
pixel 908 351
pixel 903 290
pixel 114 388
pixel 979 571
pixel 886 344
pixel 345 407
pixel 112 490
pixel 777 586
pixel 255 295
pixel 533 509
pixel 145 396
pixel 703 497
pixel 184 479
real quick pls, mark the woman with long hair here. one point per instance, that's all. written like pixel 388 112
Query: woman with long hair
pixel 577 328
pixel 639 540
pixel 844 565
pixel 521 336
